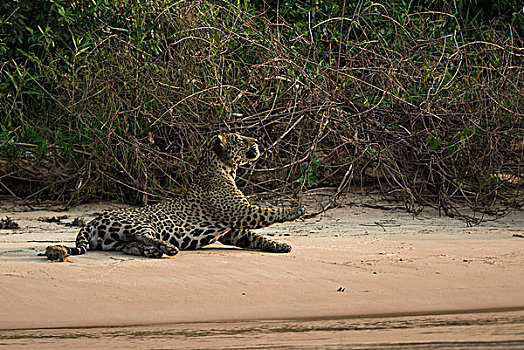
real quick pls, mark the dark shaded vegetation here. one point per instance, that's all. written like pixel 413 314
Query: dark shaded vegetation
pixel 105 99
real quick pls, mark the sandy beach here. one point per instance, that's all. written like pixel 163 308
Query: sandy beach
pixel 349 264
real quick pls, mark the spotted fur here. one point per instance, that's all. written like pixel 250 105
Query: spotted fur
pixel 213 209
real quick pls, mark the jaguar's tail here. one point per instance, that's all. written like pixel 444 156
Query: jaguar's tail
pixel 73 250
pixel 61 252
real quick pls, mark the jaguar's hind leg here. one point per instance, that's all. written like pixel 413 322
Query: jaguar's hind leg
pixel 146 236
pixel 137 248
pixel 252 240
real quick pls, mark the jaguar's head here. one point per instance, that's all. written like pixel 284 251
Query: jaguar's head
pixel 234 150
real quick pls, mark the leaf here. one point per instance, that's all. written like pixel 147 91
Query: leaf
pixel 433 142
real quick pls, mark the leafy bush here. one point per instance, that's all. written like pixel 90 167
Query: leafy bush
pixel 111 99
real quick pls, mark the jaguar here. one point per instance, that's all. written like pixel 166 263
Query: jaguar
pixel 212 209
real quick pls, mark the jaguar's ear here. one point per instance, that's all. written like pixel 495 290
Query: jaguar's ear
pixel 218 143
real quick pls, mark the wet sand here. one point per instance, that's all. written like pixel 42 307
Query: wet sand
pixel 356 276
pixel 501 330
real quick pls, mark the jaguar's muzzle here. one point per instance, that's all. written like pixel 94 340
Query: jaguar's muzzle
pixel 253 153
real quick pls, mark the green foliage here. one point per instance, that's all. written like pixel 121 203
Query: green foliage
pixel 311 172
pixel 433 140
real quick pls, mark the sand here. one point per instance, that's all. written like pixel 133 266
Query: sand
pixel 349 263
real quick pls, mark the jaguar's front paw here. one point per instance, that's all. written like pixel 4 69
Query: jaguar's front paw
pixel 283 248
pixel 277 248
pixel 297 212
